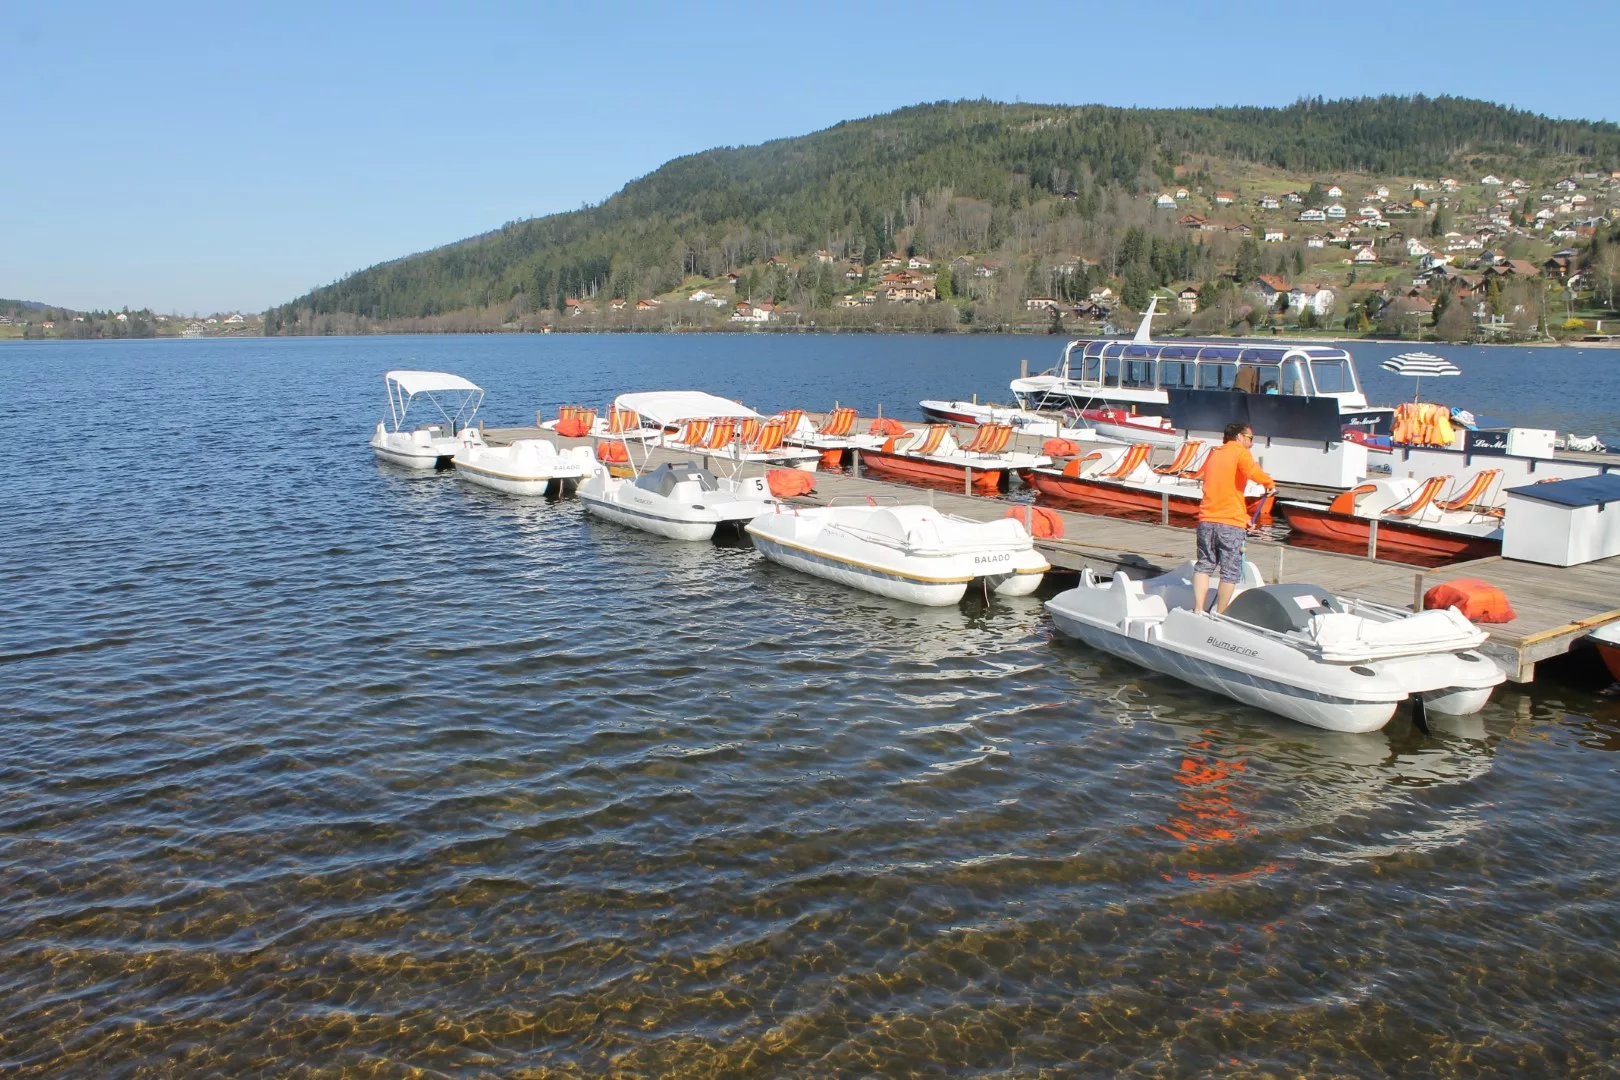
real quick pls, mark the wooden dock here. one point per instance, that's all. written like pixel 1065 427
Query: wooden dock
pixel 1556 606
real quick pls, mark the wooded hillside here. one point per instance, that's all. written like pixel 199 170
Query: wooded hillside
pixel 943 180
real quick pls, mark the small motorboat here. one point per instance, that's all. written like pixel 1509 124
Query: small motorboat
pixel 433 445
pixel 911 553
pixel 680 500
pixel 1292 649
pixel 834 437
pixel 526 467
pixel 1125 479
pixel 719 428
pixel 931 455
pixel 1416 518
pixel 1130 427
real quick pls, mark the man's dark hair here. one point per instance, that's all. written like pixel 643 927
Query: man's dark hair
pixel 1233 430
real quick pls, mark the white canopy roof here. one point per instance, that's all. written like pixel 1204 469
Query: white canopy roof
pixel 673 406
pixel 421 382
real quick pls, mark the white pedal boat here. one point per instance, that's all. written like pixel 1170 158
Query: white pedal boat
pixel 833 438
pixel 433 445
pixel 679 500
pixel 717 428
pixel 911 553
pixel 619 424
pixel 1024 421
pixel 526 467
pixel 1295 650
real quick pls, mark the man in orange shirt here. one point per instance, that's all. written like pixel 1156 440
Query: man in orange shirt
pixel 1223 516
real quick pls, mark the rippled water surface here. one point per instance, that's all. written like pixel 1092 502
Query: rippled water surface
pixel 312 766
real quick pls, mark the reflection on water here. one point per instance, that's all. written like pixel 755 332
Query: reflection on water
pixel 319 766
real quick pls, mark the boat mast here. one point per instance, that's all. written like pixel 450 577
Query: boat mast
pixel 1144 331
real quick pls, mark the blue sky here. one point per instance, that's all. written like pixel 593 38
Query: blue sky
pixel 199 158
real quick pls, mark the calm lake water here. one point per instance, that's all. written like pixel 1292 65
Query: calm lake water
pixel 312 766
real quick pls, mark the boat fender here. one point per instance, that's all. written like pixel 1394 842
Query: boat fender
pixel 1043 524
pixel 1478 601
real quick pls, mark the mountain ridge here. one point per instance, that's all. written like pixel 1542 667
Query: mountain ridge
pixel 861 186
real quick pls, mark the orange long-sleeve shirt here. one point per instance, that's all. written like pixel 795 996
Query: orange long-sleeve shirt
pixel 1227 472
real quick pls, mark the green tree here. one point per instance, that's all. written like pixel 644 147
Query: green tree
pixel 944 287
pixel 1248 261
pixel 1136 289
pixel 1299 261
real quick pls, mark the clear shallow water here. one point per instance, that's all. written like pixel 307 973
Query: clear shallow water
pixel 313 765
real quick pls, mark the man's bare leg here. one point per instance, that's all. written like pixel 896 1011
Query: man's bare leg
pixel 1200 590
pixel 1223 595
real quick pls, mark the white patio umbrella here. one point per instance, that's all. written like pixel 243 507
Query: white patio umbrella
pixel 1419 364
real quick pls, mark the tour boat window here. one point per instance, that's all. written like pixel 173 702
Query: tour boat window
pixel 1332 376
pixel 1216 376
pixel 1176 375
pixel 1092 368
pixel 1138 373
pixel 1293 378
pixel 1111 371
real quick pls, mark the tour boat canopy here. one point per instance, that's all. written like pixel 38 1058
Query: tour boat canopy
pixel 404 386
pixel 675 406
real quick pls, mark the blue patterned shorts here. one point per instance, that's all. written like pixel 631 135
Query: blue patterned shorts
pixel 1220 547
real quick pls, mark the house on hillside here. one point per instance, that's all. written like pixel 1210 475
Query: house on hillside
pixel 1335 212
pixel 1490 181
pixel 233 319
pixel 617 303
pixel 1334 191
pixel 919 262
pixel 647 305
pixel 702 296
pixel 1192 221
pixel 1182 193
pixel 745 312
pixel 1315 240
pixel 1187 300
pixel 1274 236
pixel 1269 202
pixel 1224 198
pixel 1312 214
pixel 855 272
pixel 1271 286
pixel 1165 202
pixel 911 290
pixel 823 255
pixel 1317 298
pixel 1042 303
pixel 1365 257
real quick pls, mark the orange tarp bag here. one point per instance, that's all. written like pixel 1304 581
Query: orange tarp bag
pixel 1043 524
pixel 885 425
pixel 1479 601
pixel 573 427
pixel 612 451
pixel 786 483
pixel 1060 448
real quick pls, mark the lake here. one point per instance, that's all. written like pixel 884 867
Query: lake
pixel 313 766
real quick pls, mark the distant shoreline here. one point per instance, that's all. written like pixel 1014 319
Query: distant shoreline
pixel 1032 332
